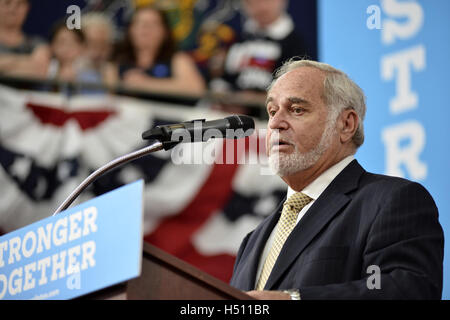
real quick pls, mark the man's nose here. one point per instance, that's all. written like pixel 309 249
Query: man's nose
pixel 278 121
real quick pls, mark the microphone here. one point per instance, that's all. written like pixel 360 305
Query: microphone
pixel 232 127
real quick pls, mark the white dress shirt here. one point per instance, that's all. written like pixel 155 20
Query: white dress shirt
pixel 313 190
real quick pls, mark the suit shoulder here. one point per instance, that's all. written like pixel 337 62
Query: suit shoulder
pixel 384 188
pixel 388 183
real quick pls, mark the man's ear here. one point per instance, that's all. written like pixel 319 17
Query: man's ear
pixel 348 124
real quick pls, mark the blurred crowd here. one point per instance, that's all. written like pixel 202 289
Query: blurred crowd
pixel 146 57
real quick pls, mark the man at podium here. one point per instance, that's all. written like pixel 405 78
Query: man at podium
pixel 342 232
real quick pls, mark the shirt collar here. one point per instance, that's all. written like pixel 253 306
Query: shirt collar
pixel 315 188
pixel 277 30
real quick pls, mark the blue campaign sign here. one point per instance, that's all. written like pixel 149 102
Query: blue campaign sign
pixel 83 249
pixel 397 51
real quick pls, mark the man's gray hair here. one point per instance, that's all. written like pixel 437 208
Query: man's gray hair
pixel 339 91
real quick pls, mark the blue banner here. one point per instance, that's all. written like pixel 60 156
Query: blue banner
pixel 81 250
pixel 398 52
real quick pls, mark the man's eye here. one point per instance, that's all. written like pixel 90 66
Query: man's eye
pixel 298 110
pixel 271 113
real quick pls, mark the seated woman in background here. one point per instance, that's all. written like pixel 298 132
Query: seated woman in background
pixel 67 47
pixel 147 59
pixel 71 61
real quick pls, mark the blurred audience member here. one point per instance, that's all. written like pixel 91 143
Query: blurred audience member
pixel 99 33
pixel 148 58
pixel 67 48
pixel 71 61
pixel 268 38
pixel 20 54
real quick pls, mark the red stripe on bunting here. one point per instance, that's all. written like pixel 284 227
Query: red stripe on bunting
pixel 57 117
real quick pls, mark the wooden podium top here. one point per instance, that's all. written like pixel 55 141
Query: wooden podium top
pixel 165 277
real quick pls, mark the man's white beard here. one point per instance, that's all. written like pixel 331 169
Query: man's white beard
pixel 285 164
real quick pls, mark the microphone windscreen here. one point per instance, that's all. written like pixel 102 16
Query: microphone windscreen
pixel 241 122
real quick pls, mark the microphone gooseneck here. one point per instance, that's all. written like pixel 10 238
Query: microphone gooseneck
pixel 233 127
pixel 105 168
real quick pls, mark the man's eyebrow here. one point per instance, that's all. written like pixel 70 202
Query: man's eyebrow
pixel 297 100
pixel 292 100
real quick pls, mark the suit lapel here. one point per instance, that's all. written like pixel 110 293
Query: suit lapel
pixel 332 200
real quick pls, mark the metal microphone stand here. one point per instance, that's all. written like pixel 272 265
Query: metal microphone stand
pixel 110 165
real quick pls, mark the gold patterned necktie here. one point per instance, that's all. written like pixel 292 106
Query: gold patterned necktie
pixel 287 222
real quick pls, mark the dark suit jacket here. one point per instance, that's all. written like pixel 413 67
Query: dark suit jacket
pixel 360 220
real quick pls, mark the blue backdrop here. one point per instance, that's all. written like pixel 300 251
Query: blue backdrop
pixel 398 51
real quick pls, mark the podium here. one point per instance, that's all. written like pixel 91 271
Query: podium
pixel 96 251
pixel 165 277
